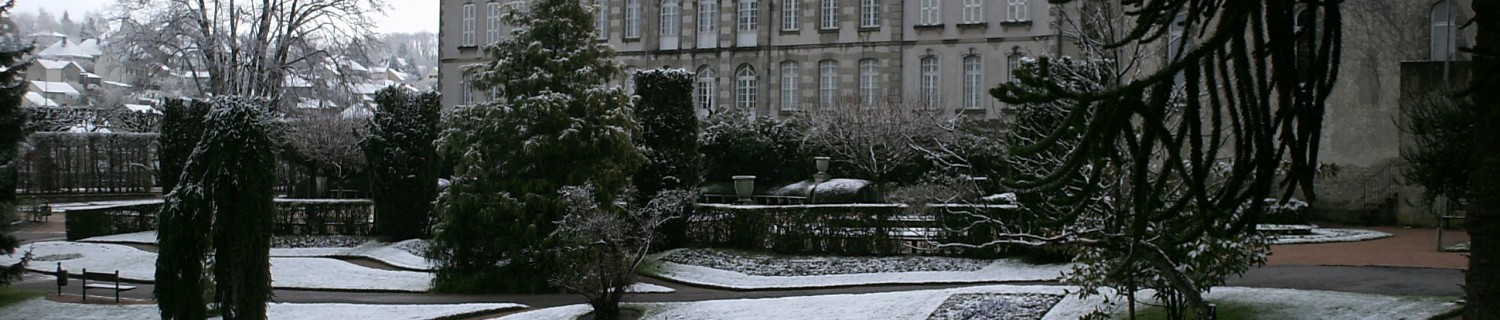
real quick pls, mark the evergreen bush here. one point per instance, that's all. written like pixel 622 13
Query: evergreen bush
pixel 403 163
pixel 668 139
pixel 769 149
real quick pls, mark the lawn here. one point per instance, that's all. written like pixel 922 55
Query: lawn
pixel 9 296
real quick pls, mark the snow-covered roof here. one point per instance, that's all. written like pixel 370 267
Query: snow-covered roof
pixel 117 84
pixel 141 108
pixel 56 64
pixel 197 74
pixel 293 81
pixel 55 87
pixel 36 99
pixel 87 49
pixel 310 103
pixel 91 75
pixel 48 34
pixel 356 112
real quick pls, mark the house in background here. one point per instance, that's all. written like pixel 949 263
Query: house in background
pixel 61 93
pixel 55 71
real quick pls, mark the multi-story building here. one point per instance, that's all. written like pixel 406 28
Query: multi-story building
pixel 776 57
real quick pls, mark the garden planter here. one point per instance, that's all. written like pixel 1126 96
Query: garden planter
pixel 743 187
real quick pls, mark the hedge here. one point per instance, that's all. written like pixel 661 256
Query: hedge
pixel 293 216
pixel 60 162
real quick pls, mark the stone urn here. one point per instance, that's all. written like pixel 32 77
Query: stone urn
pixel 743 187
pixel 822 175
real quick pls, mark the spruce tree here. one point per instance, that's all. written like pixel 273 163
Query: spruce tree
pixel 403 163
pixel 668 138
pixel 1481 283
pixel 554 122
pixel 222 203
pixel 14 61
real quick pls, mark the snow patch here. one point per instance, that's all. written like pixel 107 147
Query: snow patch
pixel 997 271
pixel 1326 235
pixel 42 309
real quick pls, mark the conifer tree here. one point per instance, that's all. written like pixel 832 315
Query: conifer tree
pixel 223 203
pixel 182 241
pixel 668 138
pixel 554 122
pixel 14 61
pixel 403 162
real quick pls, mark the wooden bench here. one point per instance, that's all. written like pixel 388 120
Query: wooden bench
pixel 39 213
pixel 110 281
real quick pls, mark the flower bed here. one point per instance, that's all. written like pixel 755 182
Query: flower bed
pixel 773 265
pixel 983 306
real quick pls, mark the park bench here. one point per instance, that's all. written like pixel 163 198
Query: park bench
pixel 109 281
pixel 39 213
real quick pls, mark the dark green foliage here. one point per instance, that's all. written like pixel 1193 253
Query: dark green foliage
pixel 13 58
pixel 182 126
pixel 86 223
pixel 1482 288
pixel 51 119
pixel 1441 126
pixel 403 163
pixel 769 149
pixel 554 123
pixel 223 202
pixel 102 162
pixel 668 138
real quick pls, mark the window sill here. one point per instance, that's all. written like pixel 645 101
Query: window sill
pixel 869 29
pixel 790 112
pixel 969 111
pixel 1015 23
pixel 929 27
pixel 834 30
pixel 628 40
pixel 786 32
pixel 468 47
pixel 974 25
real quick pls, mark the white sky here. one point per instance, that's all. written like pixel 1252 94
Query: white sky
pixel 403 16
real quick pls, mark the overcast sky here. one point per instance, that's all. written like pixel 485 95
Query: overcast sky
pixel 403 16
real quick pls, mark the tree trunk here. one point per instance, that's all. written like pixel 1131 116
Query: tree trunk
pixel 1185 287
pixel 1481 282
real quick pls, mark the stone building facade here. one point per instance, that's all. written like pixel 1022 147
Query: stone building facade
pixel 774 58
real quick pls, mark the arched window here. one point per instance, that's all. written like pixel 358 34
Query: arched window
pixel 1013 63
pixel 828 79
pixel 708 23
pixel 671 17
pixel 869 78
pixel 789 94
pixel 707 88
pixel 744 88
pixel 630 79
pixel 1444 42
pixel 930 81
pixel 973 81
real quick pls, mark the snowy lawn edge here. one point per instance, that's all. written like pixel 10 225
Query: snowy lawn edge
pixel 996 272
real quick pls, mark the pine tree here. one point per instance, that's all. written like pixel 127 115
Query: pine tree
pixel 182 232
pixel 403 162
pixel 554 122
pixel 14 61
pixel 669 139
pixel 1481 283
pixel 222 203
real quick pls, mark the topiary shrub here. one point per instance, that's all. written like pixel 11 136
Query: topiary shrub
pixel 403 163
pixel 668 140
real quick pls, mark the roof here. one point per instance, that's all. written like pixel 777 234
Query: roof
pixel 88 49
pixel 294 81
pixel 37 99
pixel 48 34
pixel 117 84
pixel 56 64
pixel 141 108
pixel 55 87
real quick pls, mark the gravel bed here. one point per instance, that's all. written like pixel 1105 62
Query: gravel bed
pixel 317 241
pixel 416 248
pixel 784 266
pixel 996 306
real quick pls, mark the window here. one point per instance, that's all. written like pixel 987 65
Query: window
pixel 789 15
pixel 828 79
pixel 930 80
pixel 468 88
pixel 1017 10
pixel 632 19
pixel 708 23
pixel 931 12
pixel 789 94
pixel 749 22
pixel 601 19
pixel 1013 63
pixel 630 79
pixel 869 78
pixel 973 79
pixel 869 13
pixel 1444 42
pixel 830 14
pixel 671 17
pixel 744 88
pixel 493 31
pixel 973 11
pixel 708 86
pixel 468 26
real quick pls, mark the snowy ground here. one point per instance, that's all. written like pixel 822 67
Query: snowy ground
pixel 1327 235
pixel 42 309
pixel 779 265
pixel 400 254
pixel 933 304
pixel 845 274
pixel 286 273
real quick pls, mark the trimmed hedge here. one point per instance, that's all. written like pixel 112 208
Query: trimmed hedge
pixel 61 162
pixel 293 216
pixel 849 229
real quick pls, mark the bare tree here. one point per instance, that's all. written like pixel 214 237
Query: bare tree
pixel 603 245
pixel 875 139
pixel 326 142
pixel 245 47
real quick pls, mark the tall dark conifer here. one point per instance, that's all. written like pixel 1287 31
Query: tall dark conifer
pixel 403 163
pixel 13 65
pixel 182 231
pixel 668 138
pixel 1481 282
pixel 554 121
